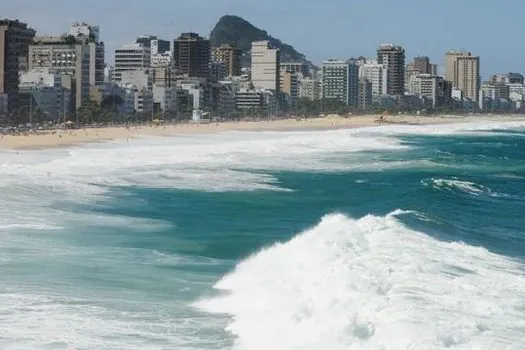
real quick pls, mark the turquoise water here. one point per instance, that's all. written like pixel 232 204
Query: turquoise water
pixel 379 238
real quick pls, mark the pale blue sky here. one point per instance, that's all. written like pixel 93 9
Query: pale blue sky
pixel 320 29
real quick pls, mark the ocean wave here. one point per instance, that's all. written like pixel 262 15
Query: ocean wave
pixel 468 187
pixel 228 161
pixel 372 283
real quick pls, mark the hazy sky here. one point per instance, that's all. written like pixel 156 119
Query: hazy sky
pixel 320 29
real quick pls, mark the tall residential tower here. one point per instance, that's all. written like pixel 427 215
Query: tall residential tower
pixel 15 38
pixel 463 71
pixel 191 55
pixel 341 81
pixel 230 56
pixel 393 58
pixel 266 65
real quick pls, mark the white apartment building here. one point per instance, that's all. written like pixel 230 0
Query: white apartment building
pixel 265 66
pixel 494 92
pixel 516 91
pixel 310 89
pixel 90 35
pixel 429 86
pixel 377 75
pixel 131 57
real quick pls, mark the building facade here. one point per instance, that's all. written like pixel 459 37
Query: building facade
pixel 90 35
pixel 46 98
pixel 290 88
pixel 218 71
pixel 266 66
pixel 463 71
pixel 393 57
pixel 310 89
pixel 15 38
pixel 230 56
pixel 365 94
pixel 131 57
pixel 340 81
pixel 64 58
pixel 468 76
pixel 422 64
pixel 377 75
pixel 430 87
pixel 191 55
pixel 298 68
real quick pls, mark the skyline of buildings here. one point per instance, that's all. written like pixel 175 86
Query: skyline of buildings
pixel 187 77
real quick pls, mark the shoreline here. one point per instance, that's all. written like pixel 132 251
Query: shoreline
pixel 71 137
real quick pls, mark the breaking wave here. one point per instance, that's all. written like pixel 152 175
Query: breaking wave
pixel 372 283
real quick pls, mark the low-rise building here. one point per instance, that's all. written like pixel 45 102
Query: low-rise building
pixel 43 96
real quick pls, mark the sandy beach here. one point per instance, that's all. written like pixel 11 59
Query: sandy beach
pixel 58 138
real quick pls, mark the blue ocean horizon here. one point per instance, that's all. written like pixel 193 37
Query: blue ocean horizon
pixel 392 237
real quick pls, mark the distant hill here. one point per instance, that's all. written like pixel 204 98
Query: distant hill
pixel 240 33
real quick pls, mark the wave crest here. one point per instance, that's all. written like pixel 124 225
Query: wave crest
pixel 371 284
pixel 455 185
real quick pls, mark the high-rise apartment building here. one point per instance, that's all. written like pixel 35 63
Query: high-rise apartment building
pixel 310 89
pixel 68 58
pixel 463 71
pixel 266 66
pixel 131 57
pixel 377 75
pixel 468 76
pixel 365 94
pixel 393 57
pixel 290 88
pixel 451 65
pixel 230 56
pixel 422 64
pixel 341 81
pixel 90 35
pixel 191 55
pixel 430 86
pixel 15 38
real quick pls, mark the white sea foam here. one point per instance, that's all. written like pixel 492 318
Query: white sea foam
pixel 362 283
pixel 468 187
pixel 372 284
pixel 223 161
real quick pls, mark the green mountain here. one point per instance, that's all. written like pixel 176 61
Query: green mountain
pixel 240 33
